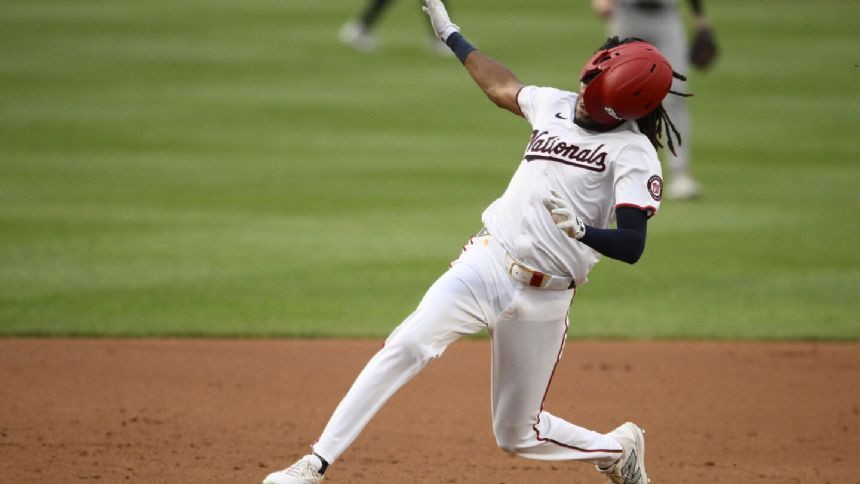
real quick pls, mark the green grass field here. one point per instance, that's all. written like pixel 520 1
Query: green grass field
pixel 228 168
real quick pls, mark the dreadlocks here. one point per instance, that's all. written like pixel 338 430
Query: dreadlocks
pixel 657 121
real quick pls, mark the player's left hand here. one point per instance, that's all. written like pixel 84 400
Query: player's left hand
pixel 563 216
pixel 442 25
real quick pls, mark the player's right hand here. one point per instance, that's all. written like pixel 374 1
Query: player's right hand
pixel 442 25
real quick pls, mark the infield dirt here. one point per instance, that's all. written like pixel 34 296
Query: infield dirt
pixel 179 411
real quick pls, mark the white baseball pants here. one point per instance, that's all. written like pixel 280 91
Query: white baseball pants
pixel 527 327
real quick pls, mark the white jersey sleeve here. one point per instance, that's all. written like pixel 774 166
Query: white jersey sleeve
pixel 638 179
pixel 532 99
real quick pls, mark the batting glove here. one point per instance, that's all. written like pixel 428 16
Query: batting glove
pixel 442 25
pixel 563 216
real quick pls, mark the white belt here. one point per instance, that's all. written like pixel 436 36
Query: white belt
pixel 531 276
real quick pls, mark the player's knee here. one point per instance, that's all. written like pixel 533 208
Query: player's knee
pixel 510 440
pixel 507 447
pixel 408 350
pixel 511 447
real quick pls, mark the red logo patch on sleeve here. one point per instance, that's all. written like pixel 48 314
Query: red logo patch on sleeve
pixel 655 187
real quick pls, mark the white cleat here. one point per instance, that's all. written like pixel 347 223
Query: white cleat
pixel 683 187
pixel 305 471
pixel 630 468
pixel 356 35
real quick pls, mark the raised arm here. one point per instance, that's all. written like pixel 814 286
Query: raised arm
pixel 493 77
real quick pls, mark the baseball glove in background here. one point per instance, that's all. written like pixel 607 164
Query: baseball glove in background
pixel 703 48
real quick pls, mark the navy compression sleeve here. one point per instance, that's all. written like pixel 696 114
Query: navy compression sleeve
pixel 625 243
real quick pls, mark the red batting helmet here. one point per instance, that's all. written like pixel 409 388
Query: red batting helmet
pixel 625 82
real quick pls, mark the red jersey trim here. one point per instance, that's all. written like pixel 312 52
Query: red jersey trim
pixel 648 209
pixel 517 100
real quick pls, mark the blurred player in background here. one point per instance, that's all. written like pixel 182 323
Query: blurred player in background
pixel 660 23
pixel 358 33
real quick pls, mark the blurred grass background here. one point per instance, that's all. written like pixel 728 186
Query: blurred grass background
pixel 228 168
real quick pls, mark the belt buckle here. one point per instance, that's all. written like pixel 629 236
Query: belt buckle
pixel 526 275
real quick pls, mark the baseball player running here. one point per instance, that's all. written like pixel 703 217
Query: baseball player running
pixel 590 160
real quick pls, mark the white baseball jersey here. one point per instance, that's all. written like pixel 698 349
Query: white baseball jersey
pixel 594 171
